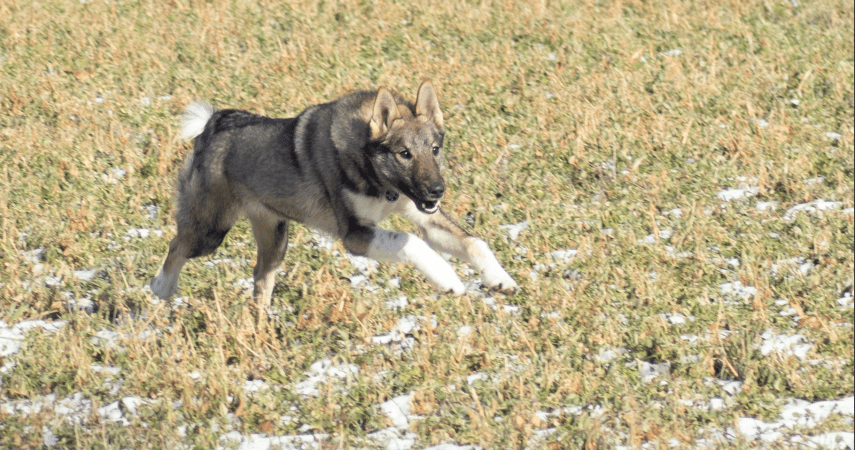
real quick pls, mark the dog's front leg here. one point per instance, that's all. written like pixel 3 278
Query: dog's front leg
pixel 385 245
pixel 443 234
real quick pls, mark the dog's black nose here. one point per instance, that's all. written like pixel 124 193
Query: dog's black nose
pixel 436 190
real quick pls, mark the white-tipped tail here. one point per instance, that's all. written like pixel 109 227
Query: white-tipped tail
pixel 195 117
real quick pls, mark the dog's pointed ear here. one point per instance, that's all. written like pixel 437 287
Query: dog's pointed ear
pixel 427 104
pixel 385 112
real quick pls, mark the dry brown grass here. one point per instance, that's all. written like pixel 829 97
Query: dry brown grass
pixel 579 118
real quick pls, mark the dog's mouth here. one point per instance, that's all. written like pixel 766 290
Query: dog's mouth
pixel 427 206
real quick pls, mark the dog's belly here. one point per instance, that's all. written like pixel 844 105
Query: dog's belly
pixel 309 208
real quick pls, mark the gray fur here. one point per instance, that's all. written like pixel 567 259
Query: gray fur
pixel 338 167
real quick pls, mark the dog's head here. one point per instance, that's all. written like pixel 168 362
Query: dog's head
pixel 410 146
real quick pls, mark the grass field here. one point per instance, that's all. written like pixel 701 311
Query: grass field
pixel 671 184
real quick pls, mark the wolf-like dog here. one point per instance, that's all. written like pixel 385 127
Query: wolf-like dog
pixel 339 167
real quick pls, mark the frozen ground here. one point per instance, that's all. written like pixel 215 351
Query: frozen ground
pixel 796 415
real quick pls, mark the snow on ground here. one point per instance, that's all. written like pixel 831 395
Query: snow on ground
pixel 11 338
pixel 514 230
pixel 323 371
pixel 795 415
pixel 737 193
pixel 814 207
pixel 799 413
pixel 792 345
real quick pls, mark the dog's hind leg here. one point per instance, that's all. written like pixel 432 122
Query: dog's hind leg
pixel 198 240
pixel 165 283
pixel 201 229
pixel 271 236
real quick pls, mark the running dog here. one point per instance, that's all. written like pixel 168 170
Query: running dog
pixel 339 167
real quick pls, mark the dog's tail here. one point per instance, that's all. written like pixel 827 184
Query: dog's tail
pixel 195 117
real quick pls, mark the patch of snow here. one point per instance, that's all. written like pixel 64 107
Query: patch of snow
pixel 356 280
pixel 110 339
pixel 254 385
pixel 244 284
pixel 690 338
pixel 397 303
pixel 514 230
pixel 142 233
pixel 33 256
pixel 48 438
pixel 816 206
pixel 563 255
pixel 760 123
pixel 538 438
pixel 477 376
pixel 131 404
pixel 800 413
pixel 393 439
pixel 672 252
pixel 405 325
pixel 114 175
pixel 321 372
pixel 464 331
pixel 258 441
pixel 398 410
pixel 804 266
pixel 650 239
pixel 767 206
pixel 676 318
pixel 736 289
pixel 607 355
pixel 835 439
pixel 12 338
pixel 363 264
pixel 150 211
pixel 675 213
pixel 453 447
pixel 737 193
pixel 113 413
pixel 218 261
pixel 649 371
pixel 714 404
pixel 846 302
pixel 111 370
pixel 794 345
pixel 85 275
pixel 731 387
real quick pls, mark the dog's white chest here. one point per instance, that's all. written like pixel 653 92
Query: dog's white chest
pixel 369 210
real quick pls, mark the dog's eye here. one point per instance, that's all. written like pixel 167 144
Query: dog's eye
pixel 435 150
pixel 405 154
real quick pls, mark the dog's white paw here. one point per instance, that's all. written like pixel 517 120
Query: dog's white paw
pixel 163 286
pixel 492 274
pixel 456 288
pixel 442 275
pixel 499 280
